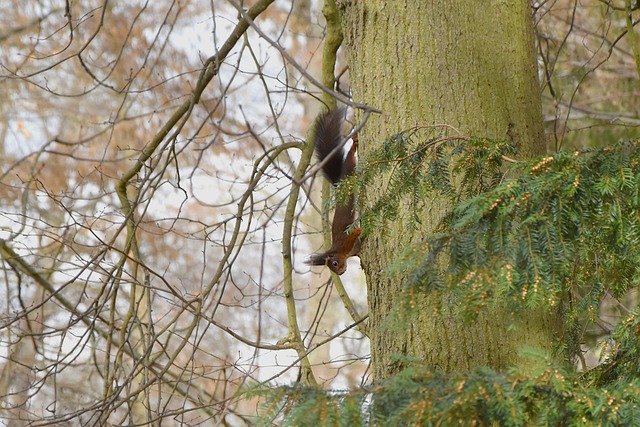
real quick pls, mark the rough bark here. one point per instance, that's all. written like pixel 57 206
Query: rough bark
pixel 473 67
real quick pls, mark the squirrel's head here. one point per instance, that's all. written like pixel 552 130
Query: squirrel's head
pixel 337 263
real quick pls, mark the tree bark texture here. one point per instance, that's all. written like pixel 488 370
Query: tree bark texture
pixel 466 64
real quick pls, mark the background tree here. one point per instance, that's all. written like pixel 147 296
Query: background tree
pixel 156 204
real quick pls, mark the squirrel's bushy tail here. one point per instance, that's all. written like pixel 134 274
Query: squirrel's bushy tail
pixel 328 134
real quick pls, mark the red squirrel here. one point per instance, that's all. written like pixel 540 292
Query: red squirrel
pixel 328 135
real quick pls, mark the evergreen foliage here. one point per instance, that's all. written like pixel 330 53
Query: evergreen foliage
pixel 420 397
pixel 561 229
pixel 568 226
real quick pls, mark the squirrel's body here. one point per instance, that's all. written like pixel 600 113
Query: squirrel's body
pixel 335 166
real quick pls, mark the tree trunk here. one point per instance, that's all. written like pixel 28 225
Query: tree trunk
pixel 473 67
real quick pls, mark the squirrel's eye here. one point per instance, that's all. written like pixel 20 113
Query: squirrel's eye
pixel 334 263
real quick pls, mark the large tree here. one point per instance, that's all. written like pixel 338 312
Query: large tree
pixel 473 68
